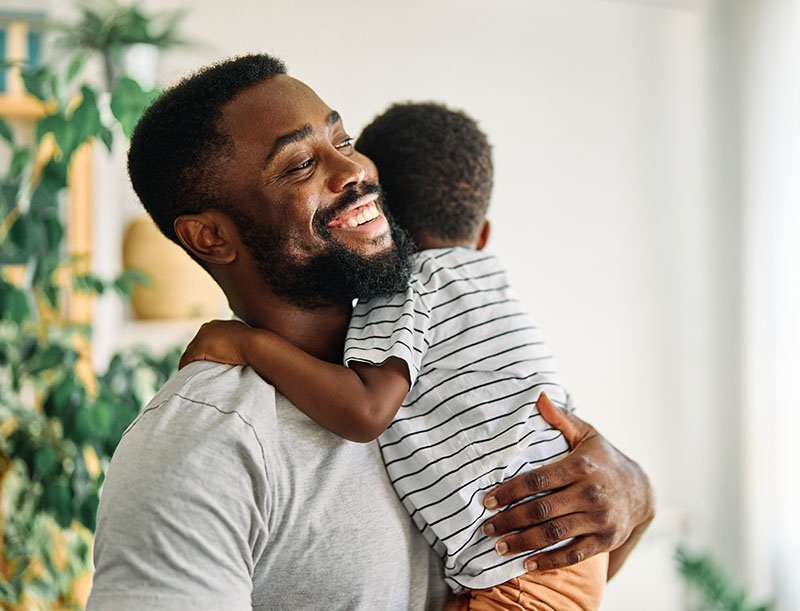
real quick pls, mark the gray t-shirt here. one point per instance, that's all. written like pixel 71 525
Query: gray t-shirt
pixel 222 495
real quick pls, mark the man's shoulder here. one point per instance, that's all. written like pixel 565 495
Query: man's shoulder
pixel 217 383
pixel 205 400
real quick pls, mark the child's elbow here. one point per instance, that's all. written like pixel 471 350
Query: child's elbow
pixel 369 427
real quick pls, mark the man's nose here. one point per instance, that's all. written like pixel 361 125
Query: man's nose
pixel 345 172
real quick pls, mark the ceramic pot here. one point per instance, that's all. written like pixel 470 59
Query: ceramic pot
pixel 179 287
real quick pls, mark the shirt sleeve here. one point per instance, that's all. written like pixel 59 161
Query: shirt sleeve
pixel 183 514
pixel 389 326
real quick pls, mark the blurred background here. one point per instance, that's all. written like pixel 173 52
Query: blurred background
pixel 645 201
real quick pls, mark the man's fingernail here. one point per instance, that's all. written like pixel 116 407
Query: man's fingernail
pixel 501 548
pixel 531 565
pixel 490 502
pixel 488 529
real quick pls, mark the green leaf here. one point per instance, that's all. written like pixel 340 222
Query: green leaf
pixel 75 66
pixel 36 82
pixel 107 137
pixel 45 463
pixel 13 304
pixel 86 117
pixel 27 348
pixel 19 235
pixel 89 284
pixel 54 357
pixel 64 399
pixel 54 231
pixel 19 159
pixel 88 511
pixel 6 133
pixel 57 500
pixel 10 592
pixel 86 426
pixel 50 124
pixel 128 102
pixel 125 282
pixel 51 295
pixel 53 179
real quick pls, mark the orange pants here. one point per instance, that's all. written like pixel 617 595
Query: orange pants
pixel 575 588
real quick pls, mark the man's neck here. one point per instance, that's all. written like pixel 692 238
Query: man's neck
pixel 319 331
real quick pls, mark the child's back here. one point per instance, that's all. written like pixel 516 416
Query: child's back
pixel 477 364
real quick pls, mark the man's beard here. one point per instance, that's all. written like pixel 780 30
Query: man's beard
pixel 335 276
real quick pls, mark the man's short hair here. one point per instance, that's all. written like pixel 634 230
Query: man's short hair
pixel 172 160
pixel 435 165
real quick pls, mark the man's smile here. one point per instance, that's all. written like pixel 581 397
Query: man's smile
pixel 363 216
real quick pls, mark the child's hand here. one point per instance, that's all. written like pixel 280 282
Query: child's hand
pixel 221 341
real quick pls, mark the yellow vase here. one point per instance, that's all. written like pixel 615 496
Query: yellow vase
pixel 179 287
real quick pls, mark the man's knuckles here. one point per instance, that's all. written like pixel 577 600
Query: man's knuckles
pixel 538 510
pixel 554 531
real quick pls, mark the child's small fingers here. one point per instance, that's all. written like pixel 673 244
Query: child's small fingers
pixel 186 358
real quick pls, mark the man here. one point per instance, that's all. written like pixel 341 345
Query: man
pixel 222 495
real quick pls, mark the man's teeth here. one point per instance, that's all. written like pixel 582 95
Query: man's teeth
pixel 367 214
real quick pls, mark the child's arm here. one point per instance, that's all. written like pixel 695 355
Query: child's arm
pixel 357 404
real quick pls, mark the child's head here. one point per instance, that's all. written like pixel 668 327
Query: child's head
pixel 435 165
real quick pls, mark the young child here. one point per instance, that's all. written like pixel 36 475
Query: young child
pixel 445 375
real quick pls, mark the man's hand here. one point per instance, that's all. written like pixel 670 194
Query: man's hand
pixel 599 496
pixel 221 341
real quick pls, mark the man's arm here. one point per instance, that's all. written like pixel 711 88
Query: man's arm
pixel 598 495
pixel 356 402
pixel 183 514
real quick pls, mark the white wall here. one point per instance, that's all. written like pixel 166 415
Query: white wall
pixel 771 298
pixel 616 206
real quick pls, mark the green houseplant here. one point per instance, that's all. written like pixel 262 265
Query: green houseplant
pixel 109 27
pixel 717 592
pixel 59 420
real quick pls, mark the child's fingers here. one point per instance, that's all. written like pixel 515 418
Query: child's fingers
pixel 187 357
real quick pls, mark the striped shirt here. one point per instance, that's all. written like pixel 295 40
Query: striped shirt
pixel 477 364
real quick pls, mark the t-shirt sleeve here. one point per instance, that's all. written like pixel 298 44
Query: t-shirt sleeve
pixel 389 326
pixel 183 512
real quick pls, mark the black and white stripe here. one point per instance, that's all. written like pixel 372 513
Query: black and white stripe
pixel 477 364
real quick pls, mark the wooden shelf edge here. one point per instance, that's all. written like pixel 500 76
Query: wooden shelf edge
pixel 21 106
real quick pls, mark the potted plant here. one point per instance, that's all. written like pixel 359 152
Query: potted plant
pixel 714 588
pixel 126 37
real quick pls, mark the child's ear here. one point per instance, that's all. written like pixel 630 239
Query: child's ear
pixel 483 236
pixel 207 236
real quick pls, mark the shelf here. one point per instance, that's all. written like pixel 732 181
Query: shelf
pixel 21 106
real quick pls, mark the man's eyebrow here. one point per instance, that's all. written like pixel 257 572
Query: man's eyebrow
pixel 305 131
pixel 334 117
pixel 281 142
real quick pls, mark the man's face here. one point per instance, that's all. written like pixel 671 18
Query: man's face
pixel 306 203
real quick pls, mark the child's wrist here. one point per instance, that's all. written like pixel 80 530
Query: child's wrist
pixel 256 342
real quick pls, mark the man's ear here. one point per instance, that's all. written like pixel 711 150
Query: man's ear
pixel 483 236
pixel 207 235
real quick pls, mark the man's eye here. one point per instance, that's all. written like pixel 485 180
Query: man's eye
pixel 302 166
pixel 345 143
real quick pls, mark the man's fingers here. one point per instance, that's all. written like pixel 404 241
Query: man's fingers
pixel 560 419
pixel 545 534
pixel 572 553
pixel 544 479
pixel 529 513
